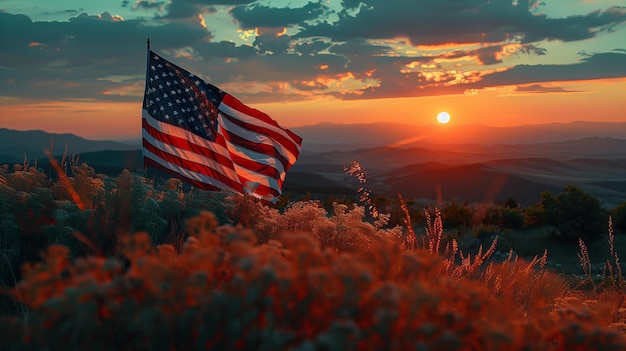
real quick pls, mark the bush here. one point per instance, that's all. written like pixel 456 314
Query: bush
pixel 455 215
pixel 503 216
pixel 573 213
pixel 225 291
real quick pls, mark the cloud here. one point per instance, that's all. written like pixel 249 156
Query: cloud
pixel 597 66
pixel 178 9
pixel 272 43
pixel 427 22
pixel 541 89
pixel 149 5
pixel 57 60
pixel 263 16
pixel 367 49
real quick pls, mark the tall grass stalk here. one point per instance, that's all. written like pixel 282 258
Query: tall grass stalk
pixel 365 195
pixel 612 264
pixel 585 263
pixel 409 238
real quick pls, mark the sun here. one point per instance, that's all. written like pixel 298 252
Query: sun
pixel 443 117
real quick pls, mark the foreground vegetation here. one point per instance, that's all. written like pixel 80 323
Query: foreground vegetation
pixel 124 264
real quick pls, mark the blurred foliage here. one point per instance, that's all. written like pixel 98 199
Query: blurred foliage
pixel 227 291
pixel 102 263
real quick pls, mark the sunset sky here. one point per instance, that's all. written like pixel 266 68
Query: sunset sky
pixel 79 66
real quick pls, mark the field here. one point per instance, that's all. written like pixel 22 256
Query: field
pixel 125 264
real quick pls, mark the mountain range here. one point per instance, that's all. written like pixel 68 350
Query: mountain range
pixel 471 163
pixel 335 136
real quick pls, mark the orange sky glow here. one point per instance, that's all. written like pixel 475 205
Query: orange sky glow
pixel 598 100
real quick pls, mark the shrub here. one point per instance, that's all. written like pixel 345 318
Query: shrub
pixel 502 216
pixel 573 213
pixel 226 292
pixel 455 215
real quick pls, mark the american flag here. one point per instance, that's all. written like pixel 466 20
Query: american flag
pixel 209 139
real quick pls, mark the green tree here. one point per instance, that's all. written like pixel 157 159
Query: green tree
pixel 573 214
pixel 511 203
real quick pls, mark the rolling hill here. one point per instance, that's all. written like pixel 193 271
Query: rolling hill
pixel 475 171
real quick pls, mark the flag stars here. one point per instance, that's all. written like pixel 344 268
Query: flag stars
pixel 183 100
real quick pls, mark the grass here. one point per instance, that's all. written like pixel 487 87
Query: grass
pixel 305 279
pixel 225 290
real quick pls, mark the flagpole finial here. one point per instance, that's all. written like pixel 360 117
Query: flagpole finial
pixel 148 43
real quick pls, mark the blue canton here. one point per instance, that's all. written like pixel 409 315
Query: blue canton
pixel 177 97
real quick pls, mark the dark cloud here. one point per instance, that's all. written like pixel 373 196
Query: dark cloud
pixel 178 9
pixel 574 27
pixel 597 66
pixel 103 57
pixel 311 46
pixel 264 16
pixel 540 89
pixel 271 43
pixel 71 59
pixel 150 5
pixel 493 54
pixel 427 22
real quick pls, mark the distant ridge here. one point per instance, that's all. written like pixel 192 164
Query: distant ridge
pixel 14 144
pixel 479 169
pixel 327 136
